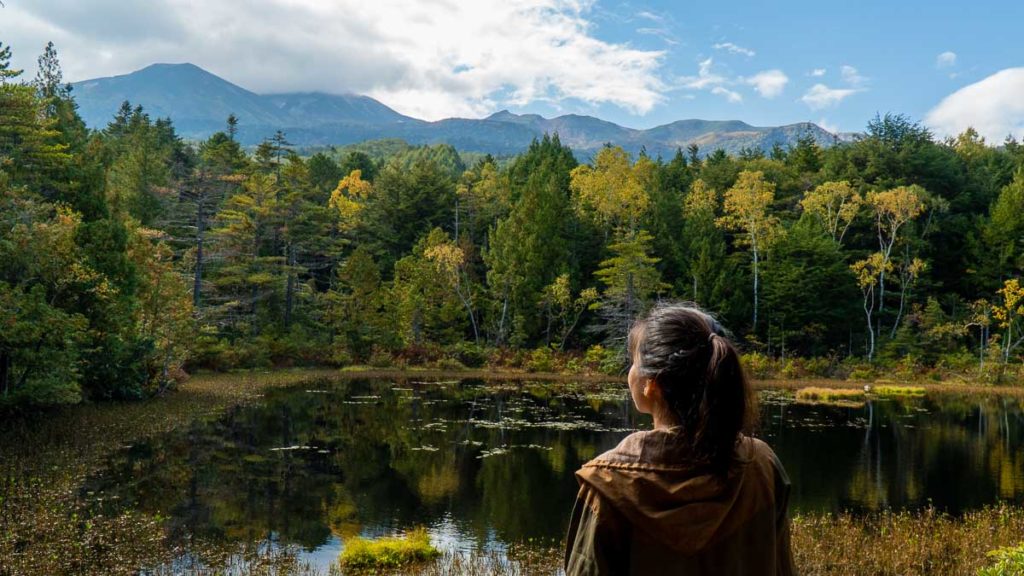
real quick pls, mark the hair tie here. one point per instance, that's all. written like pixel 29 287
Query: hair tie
pixel 711 337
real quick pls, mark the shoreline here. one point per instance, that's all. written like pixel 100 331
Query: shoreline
pixel 952 387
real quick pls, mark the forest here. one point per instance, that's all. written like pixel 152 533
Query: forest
pixel 130 257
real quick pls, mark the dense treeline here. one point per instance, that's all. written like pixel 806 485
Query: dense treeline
pixel 129 254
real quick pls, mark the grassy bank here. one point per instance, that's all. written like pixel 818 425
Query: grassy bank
pixel 47 528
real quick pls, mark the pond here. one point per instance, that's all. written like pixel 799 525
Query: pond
pixel 483 465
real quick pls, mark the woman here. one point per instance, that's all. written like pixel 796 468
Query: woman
pixel 695 495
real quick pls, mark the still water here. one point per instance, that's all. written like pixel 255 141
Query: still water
pixel 482 465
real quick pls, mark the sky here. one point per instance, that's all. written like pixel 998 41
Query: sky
pixel 948 64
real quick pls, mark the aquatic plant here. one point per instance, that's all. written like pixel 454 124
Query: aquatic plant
pixel 361 554
pixel 817 394
pixel 894 390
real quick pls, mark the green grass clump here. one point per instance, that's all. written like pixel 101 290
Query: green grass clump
pixel 1009 562
pixel 386 553
pixel 893 390
pixel 816 394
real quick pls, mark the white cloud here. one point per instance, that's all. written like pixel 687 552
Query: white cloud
pixel 647 15
pixel 817 72
pixel 851 76
pixel 768 83
pixel 662 33
pixel 730 95
pixel 945 60
pixel 821 96
pixel 708 79
pixel 428 59
pixel 705 77
pixel 991 106
pixel 829 126
pixel 734 49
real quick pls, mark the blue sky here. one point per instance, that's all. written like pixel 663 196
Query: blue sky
pixel 894 45
pixel 637 63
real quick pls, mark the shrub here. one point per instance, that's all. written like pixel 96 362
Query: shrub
pixel 340 357
pixel 604 361
pixel 450 364
pixel 575 365
pixel 907 367
pixel 361 554
pixel 792 369
pixel 419 354
pixel 1009 562
pixel 857 369
pixel 759 365
pixel 819 366
pixel 959 361
pixel 380 358
pixel 541 360
pixel 468 354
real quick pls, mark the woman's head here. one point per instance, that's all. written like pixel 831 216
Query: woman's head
pixel 692 372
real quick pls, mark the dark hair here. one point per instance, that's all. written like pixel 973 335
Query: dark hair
pixel 697 367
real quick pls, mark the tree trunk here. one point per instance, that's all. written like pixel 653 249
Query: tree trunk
pixel 289 291
pixel 871 330
pixel 469 308
pixel 197 280
pixel 899 313
pixel 756 283
pixel 504 313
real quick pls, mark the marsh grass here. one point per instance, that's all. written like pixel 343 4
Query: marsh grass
pixel 365 555
pixel 904 543
pixel 892 390
pixel 830 395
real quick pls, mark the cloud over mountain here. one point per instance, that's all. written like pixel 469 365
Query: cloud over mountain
pixel 430 58
pixel 993 106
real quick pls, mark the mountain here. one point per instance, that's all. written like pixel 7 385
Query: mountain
pixel 199 103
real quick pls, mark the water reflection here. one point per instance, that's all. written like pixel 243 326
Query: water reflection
pixel 483 466
pixel 954 453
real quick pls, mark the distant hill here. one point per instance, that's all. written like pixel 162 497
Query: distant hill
pixel 199 103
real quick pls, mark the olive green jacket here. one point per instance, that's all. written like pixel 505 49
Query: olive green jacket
pixel 643 509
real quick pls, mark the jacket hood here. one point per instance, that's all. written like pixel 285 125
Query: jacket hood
pixel 650 479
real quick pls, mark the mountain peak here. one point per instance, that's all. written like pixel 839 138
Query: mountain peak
pixel 502 115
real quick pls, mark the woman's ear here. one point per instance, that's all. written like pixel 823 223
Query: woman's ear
pixel 651 388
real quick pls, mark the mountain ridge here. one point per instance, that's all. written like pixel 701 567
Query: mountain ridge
pixel 199 102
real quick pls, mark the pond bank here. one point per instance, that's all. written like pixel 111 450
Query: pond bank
pixel 956 387
pixel 45 461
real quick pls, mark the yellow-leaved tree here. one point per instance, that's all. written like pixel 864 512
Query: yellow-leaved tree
pixel 349 198
pixel 893 209
pixel 747 206
pixel 450 260
pixel 561 308
pixel 612 190
pixel 1009 314
pixel 834 205
pixel 868 273
pixel 909 270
